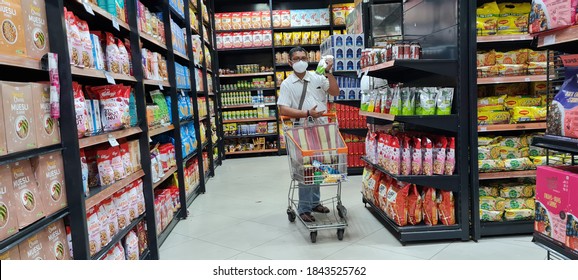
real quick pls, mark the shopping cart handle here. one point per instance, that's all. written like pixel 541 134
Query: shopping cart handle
pixel 286 118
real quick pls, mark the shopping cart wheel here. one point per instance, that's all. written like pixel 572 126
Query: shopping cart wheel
pixel 341 211
pixel 291 215
pixel 340 233
pixel 313 235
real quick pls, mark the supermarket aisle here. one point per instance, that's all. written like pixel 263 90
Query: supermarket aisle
pixel 242 216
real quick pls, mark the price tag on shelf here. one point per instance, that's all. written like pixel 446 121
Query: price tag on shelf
pixel 161 87
pixel 115 23
pixel 483 128
pixel 109 78
pixel 527 79
pixel 150 140
pixel 549 40
pixel 87 7
pixel 112 141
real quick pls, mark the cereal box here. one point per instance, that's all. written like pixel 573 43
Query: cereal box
pixel 218 21
pixel 32 248
pixel 247 39
pixel 226 21
pixel 47 129
pixel 257 38
pixel 2 131
pixel 227 40
pixel 56 245
pixel 246 18
pixel 286 18
pixel 552 199
pixel 237 40
pixel 296 16
pixel 36 29
pixel 49 172
pixel 324 16
pixel 8 209
pixel 277 18
pixel 237 21
pixel 29 203
pixel 256 20
pixel 266 19
pixel 13 39
pixel 18 117
pixel 267 38
pixel 12 254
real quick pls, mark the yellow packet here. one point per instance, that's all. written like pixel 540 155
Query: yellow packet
pixel 489 191
pixel 492 203
pixel 491 216
pixel 324 34
pixel 490 165
pixel 337 32
pixel 296 39
pixel 492 100
pixel 287 38
pixel 487 19
pixel 522 101
pixel 517 164
pixel 528 114
pixel 493 117
pixel 306 38
pixel 288 73
pixel 492 108
pixel 486 58
pixel 514 142
pixel 486 140
pixel 278 39
pixel 519 214
pixel 513 18
pixel 315 37
pixel 517 191
pixel 513 57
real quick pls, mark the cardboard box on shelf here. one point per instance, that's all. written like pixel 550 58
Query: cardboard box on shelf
pixel 572 220
pixel 3 149
pixel 265 19
pixel 49 172
pixel 33 248
pixel 56 243
pixel 36 28
pixel 8 208
pixel 12 254
pixel 286 18
pixel 257 39
pixel 277 19
pixel 296 16
pixel 237 21
pixel 246 18
pixel 247 39
pixel 256 19
pixel 47 128
pixel 13 39
pixel 218 21
pixel 29 202
pixel 226 21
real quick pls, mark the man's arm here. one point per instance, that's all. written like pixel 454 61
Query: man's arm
pixel 295 113
pixel 333 86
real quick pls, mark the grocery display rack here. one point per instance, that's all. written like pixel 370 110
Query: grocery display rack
pixel 262 56
pixel 75 213
pixel 439 67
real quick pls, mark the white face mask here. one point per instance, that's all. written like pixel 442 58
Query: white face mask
pixel 300 66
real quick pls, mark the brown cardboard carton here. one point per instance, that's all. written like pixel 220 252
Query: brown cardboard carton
pixel 35 28
pixel 49 173
pixel 33 248
pixel 56 245
pixel 47 128
pixel 12 39
pixel 18 117
pixel 3 150
pixel 26 195
pixel 11 255
pixel 8 219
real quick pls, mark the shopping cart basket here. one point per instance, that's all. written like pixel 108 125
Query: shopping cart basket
pixel 317 158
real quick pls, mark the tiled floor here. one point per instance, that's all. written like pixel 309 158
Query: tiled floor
pixel 242 216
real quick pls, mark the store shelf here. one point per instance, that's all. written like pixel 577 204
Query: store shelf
pixel 443 182
pixel 153 41
pixel 245 90
pixel 303 28
pixel 179 19
pixel 167 231
pixel 512 127
pixel 248 106
pixel 506 174
pixel 98 194
pixel 156 83
pixel 251 152
pixel 264 48
pixel 204 146
pixel 447 123
pixel 103 138
pixel 506 228
pixel 190 156
pixel 250 120
pixel 203 118
pixel 512 79
pixel 103 13
pixel 117 238
pixel 415 233
pixel 168 174
pixel 20 62
pixel 407 70
pixel 554 247
pixel 14 157
pixel 251 136
pixel 304 46
pixel 562 39
pixel 194 194
pixel 246 75
pixel 160 130
pixel 558 143
pixel 145 254
pixel 242 30
pixel 353 129
pixel 31 230
pixel 93 73
pixel 181 56
pixel 354 171
pixel 504 38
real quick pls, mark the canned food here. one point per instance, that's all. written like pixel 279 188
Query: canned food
pixel 406 50
pixel 396 51
pixel 415 49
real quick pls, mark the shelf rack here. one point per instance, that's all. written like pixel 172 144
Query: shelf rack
pixel 440 67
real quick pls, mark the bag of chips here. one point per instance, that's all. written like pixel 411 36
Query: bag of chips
pixel 414 206
pixel 446 207
pixel 430 207
pixel 397 208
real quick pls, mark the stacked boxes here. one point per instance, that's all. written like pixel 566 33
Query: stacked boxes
pixel 346 49
pixel 349 88
pixel 183 76
pixel 178 38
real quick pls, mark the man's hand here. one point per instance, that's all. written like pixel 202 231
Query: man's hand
pixel 314 113
pixel 329 62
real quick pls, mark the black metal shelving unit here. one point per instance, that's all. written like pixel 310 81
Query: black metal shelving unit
pixel 445 63
pixel 75 213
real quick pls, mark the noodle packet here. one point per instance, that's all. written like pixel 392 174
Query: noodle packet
pixel 444 100
pixel 426 102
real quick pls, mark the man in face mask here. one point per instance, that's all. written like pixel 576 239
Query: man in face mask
pixel 304 94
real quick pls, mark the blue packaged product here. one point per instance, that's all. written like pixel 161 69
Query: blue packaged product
pixel 132 109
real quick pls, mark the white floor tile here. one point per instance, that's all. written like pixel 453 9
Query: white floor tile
pixel 490 250
pixel 382 239
pixel 361 252
pixel 198 250
pixel 246 256
pixel 294 246
pixel 244 236
pixel 175 239
pixel 204 224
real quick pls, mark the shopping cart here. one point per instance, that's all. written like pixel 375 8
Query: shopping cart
pixel 317 158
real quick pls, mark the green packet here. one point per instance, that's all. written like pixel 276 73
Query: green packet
pixel 407 101
pixel 426 101
pixel 444 101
